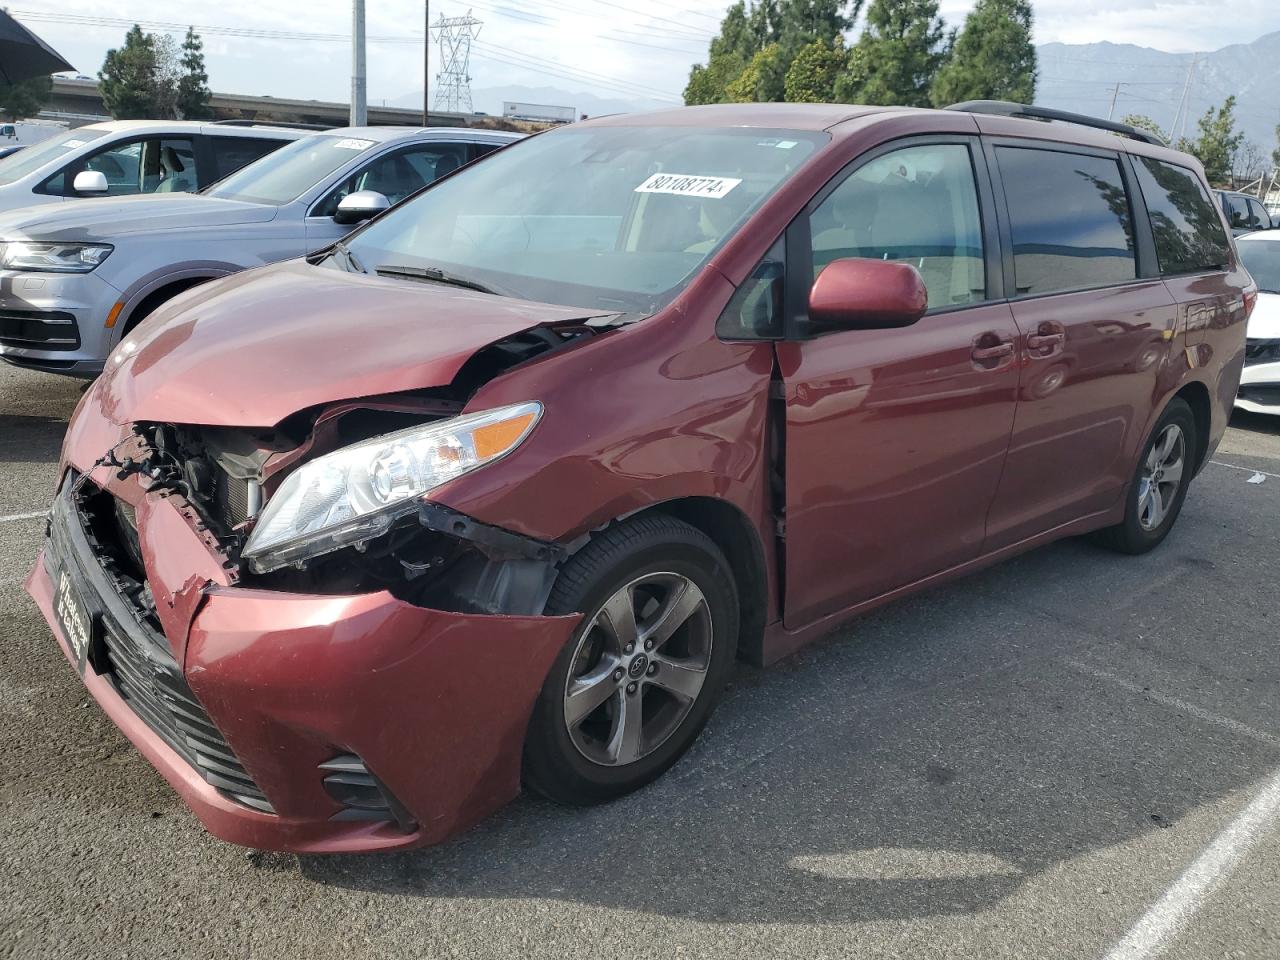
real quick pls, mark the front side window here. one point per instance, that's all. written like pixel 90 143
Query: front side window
pixel 156 165
pixel 1258 217
pixel 918 204
pixel 616 219
pixel 1186 226
pixel 398 174
pixel 34 157
pixel 1070 219
pixel 756 308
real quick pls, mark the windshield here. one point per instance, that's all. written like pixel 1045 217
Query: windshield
pixel 1262 259
pixel 616 219
pixel 23 162
pixel 291 171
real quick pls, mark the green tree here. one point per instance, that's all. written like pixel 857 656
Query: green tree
pixel 128 78
pixel 193 84
pixel 812 76
pixel 1142 122
pixel 801 22
pixel 24 99
pixel 993 57
pixel 741 55
pixel 897 56
pixel 1218 142
pixel 761 81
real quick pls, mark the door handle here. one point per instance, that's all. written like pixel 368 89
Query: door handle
pixel 1038 341
pixel 993 352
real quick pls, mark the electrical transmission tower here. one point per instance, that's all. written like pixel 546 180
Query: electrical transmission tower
pixel 453 82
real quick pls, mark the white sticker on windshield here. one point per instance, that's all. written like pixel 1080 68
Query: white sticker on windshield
pixel 786 144
pixel 688 185
pixel 70 144
pixel 352 143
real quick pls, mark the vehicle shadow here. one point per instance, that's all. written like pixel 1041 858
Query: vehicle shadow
pixel 929 760
pixel 1255 422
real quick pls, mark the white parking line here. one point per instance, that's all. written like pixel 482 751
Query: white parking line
pixel 1235 726
pixel 1170 913
pixel 1219 463
pixel 23 516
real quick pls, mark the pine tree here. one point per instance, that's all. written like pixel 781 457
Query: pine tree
pixel 1218 142
pixel 127 80
pixel 1141 121
pixel 812 75
pixel 762 80
pixel 993 57
pixel 897 56
pixel 25 98
pixel 801 22
pixel 193 84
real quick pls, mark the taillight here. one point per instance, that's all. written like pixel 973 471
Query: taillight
pixel 1250 299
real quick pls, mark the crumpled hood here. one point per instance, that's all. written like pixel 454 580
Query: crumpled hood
pixel 250 349
pixel 103 218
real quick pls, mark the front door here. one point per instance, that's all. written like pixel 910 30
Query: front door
pixel 895 439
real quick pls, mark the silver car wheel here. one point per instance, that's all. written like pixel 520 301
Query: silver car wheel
pixel 1161 477
pixel 638 669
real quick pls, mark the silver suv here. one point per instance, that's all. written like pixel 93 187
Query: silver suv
pixel 125 157
pixel 74 279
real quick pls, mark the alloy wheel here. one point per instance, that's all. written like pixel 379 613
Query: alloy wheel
pixel 638 668
pixel 1161 477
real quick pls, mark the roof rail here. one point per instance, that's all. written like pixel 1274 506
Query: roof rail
pixel 1005 108
pixel 272 123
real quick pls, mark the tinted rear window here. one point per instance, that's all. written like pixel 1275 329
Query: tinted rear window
pixel 1070 220
pixel 232 153
pixel 1188 231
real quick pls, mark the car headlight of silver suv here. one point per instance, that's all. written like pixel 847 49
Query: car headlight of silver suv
pixel 355 493
pixel 52 257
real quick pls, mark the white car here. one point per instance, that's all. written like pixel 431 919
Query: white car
pixel 1260 383
pixel 124 157
pixel 75 279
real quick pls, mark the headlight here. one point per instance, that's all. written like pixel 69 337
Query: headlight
pixel 357 492
pixel 52 257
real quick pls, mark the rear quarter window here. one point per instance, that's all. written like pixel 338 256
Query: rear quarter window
pixel 232 153
pixel 1188 230
pixel 1070 220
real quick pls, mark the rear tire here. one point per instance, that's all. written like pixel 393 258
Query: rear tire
pixel 1159 484
pixel 634 686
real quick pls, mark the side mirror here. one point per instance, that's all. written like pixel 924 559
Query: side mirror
pixel 360 206
pixel 855 294
pixel 90 181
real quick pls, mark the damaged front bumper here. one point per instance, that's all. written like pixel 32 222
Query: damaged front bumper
pixel 289 721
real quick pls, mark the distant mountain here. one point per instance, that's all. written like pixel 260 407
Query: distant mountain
pixel 490 100
pixel 1082 78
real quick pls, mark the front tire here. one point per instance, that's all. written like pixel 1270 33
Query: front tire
pixel 1159 484
pixel 638 680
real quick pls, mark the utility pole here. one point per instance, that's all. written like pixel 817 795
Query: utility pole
pixel 359 108
pixel 1184 105
pixel 426 60
pixel 1114 93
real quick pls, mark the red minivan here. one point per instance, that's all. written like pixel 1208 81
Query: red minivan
pixel 497 490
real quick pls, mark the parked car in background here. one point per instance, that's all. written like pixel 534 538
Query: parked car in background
pixel 498 488
pixel 1245 214
pixel 121 158
pixel 75 279
pixel 23 133
pixel 1260 382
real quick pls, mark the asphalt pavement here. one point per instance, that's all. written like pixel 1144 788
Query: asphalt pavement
pixel 1073 754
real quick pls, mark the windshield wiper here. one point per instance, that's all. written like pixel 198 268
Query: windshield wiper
pixel 347 255
pixel 433 274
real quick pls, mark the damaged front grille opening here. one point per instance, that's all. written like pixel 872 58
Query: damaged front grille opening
pixel 431 556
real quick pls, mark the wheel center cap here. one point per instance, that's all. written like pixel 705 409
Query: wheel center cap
pixel 638 666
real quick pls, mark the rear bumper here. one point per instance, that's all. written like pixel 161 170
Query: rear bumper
pixel 435 704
